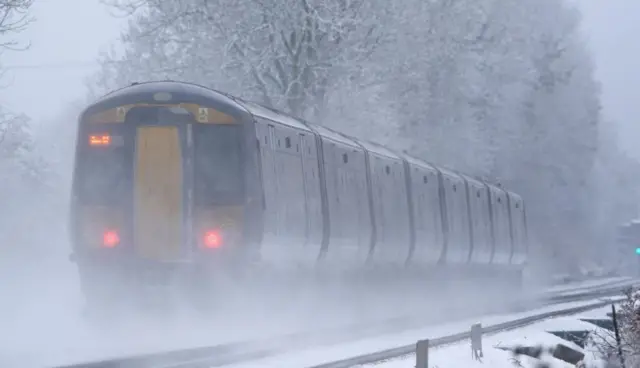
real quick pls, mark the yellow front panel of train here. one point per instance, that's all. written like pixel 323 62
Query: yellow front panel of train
pixel 158 193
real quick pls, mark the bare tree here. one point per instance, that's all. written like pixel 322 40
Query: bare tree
pixel 604 342
pixel 14 18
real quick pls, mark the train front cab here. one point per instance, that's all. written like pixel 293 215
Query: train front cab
pixel 159 194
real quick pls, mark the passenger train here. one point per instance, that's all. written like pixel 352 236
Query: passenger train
pixel 174 178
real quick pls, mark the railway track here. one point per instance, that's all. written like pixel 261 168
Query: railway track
pixel 248 351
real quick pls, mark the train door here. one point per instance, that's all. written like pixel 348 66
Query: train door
pixel 158 191
pixel 159 181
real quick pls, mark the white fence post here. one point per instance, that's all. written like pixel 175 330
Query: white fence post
pixel 422 354
pixel 476 341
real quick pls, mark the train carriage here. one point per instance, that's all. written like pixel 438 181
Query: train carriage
pixel 173 179
pixel 165 179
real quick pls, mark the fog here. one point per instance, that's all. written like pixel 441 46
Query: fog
pixel 533 94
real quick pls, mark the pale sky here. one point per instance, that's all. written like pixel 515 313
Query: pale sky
pixel 72 31
pixel 612 28
pixel 65 32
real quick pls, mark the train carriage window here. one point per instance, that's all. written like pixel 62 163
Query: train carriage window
pixel 218 162
pixel 345 159
pixel 287 142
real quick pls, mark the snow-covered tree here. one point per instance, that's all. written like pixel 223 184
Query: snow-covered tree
pixel 559 140
pixel 502 89
pixel 15 136
pixel 25 186
pixel 614 189
pixel 287 54
pixel 505 90
pixel 25 174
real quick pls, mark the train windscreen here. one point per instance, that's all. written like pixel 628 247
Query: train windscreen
pixel 101 167
pixel 218 164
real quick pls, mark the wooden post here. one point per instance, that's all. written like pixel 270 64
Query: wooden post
pixel 617 331
pixel 422 354
pixel 476 341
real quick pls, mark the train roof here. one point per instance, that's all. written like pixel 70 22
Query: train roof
pixel 421 163
pixel 180 92
pixel 264 112
pixel 473 181
pixel 379 149
pixel 164 91
pixel 194 93
pixel 450 173
pixel 513 195
pixel 333 135
pixel 496 189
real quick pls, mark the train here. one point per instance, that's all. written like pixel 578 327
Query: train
pixel 173 178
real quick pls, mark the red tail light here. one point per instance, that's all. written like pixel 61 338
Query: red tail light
pixel 212 239
pixel 110 239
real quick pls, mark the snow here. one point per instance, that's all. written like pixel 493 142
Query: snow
pixel 62 335
pixel 535 333
pixel 458 355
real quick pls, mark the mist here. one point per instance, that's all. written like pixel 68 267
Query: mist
pixel 516 92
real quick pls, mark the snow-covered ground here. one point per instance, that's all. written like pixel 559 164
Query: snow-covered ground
pixel 452 356
pixel 41 323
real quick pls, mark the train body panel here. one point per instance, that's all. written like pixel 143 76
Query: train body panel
pixel 479 210
pixel 457 218
pixel 313 193
pixel 501 233
pixel 211 182
pixel 391 211
pixel 291 190
pixel 290 201
pixel 425 197
pixel 348 209
pixel 518 229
